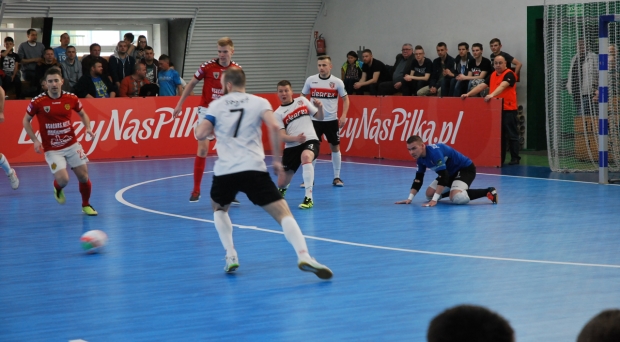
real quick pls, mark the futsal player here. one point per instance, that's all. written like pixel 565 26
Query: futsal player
pixel 236 120
pixel 53 109
pixel 301 143
pixel 327 88
pixel 210 72
pixel 4 163
pixel 455 173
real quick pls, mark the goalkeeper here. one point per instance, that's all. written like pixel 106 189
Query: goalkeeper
pixel 455 173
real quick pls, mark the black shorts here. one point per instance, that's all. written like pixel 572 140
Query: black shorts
pixel 465 175
pixel 257 185
pixel 330 129
pixel 291 158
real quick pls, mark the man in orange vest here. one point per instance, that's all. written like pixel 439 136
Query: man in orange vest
pixel 502 84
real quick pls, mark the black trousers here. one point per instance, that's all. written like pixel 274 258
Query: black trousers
pixel 510 134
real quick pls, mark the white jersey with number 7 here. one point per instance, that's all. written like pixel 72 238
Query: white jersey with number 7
pixel 237 118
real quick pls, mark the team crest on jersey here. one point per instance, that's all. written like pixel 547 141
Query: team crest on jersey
pixel 332 85
pixel 300 102
pixel 67 106
pixel 53 166
pixel 46 109
pixel 216 75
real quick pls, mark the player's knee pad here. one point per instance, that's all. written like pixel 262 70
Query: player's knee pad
pixel 460 198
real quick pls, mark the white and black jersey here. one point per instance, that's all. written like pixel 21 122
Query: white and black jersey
pixel 237 118
pixel 327 91
pixel 295 118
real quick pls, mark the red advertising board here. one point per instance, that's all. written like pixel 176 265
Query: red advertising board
pixel 375 127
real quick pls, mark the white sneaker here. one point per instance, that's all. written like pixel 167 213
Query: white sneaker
pixel 13 179
pixel 313 266
pixel 232 263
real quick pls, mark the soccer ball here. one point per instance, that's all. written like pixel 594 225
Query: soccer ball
pixel 93 241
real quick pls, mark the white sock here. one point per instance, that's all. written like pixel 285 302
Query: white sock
pixel 294 237
pixel 308 173
pixel 336 162
pixel 314 163
pixel 4 164
pixel 224 229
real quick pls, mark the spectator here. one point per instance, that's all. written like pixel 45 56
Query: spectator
pixel 60 53
pixel 95 56
pixel 131 85
pixel 131 49
pixel 351 72
pixel 604 327
pixel 478 68
pixel 152 65
pixel 420 72
pixel 469 323
pixel 71 68
pixel 121 64
pixel 583 79
pixel 502 84
pixel 169 79
pixel 31 53
pixel 373 73
pixel 10 65
pixel 402 65
pixel 43 83
pixel 48 61
pixel 443 72
pixel 94 84
pixel 139 51
pixel 496 48
pixel 458 87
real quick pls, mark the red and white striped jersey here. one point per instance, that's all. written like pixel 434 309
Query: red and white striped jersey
pixel 327 91
pixel 296 119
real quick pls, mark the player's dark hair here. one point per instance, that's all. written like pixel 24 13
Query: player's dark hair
pixel 469 323
pixel 465 45
pixel 352 54
pixel 324 57
pixel 414 138
pixel 367 50
pixel 495 40
pixel 478 45
pixel 235 76
pixel 129 36
pixel 9 39
pixel 284 83
pixel 604 327
pixel 53 71
pixel 442 44
pixel 30 31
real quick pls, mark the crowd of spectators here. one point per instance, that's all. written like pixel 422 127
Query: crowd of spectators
pixel 122 74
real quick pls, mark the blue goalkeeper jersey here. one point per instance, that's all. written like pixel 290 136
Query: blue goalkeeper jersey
pixel 440 157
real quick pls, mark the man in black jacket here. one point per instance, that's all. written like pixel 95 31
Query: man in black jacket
pixel 121 64
pixel 402 65
pixel 94 85
pixel 443 72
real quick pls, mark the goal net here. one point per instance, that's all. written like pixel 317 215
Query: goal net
pixel 571 67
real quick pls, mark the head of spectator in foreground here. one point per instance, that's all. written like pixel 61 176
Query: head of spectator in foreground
pixel 71 53
pixel 225 50
pixel 476 50
pixel 419 53
pixel 32 35
pixel 43 83
pixel 96 70
pixel 469 323
pixel 496 46
pixel 233 79
pixel 95 50
pixel 141 42
pixel 128 37
pixel 367 57
pixel 463 50
pixel 351 57
pixel 9 43
pixel 285 92
pixel 604 327
pixel 48 56
pixel 164 62
pixel 324 64
pixel 499 63
pixel 149 54
pixel 65 39
pixel 442 50
pixel 140 72
pixel 122 48
pixel 407 50
pixel 54 81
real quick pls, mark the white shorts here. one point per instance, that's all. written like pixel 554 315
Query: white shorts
pixel 73 155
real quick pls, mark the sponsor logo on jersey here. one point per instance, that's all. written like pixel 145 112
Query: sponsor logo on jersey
pixel 46 109
pixel 216 75
pixel 324 93
pixel 67 106
pixel 296 114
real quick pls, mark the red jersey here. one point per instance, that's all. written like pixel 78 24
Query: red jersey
pixel 211 71
pixel 55 119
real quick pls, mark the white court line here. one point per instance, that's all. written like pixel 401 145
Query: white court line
pixel 119 197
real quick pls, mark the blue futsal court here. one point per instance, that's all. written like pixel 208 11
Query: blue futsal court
pixel 546 257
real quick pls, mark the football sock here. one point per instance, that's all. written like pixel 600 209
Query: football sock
pixel 224 229
pixel 85 189
pixel 295 237
pixel 477 193
pixel 199 169
pixel 308 173
pixel 336 162
pixel 4 164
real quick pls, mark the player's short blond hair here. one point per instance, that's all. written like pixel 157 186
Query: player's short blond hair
pixel 324 57
pixel 225 41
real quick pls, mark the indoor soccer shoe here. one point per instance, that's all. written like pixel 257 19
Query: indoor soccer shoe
pixel 235 202
pixel 303 185
pixel 307 203
pixel 492 195
pixel 282 192
pixel 337 182
pixel 59 195
pixel 313 266
pixel 231 264
pixel 89 210
pixel 194 197
pixel 13 179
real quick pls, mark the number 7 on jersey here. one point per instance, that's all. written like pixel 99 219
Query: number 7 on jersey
pixel 241 111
